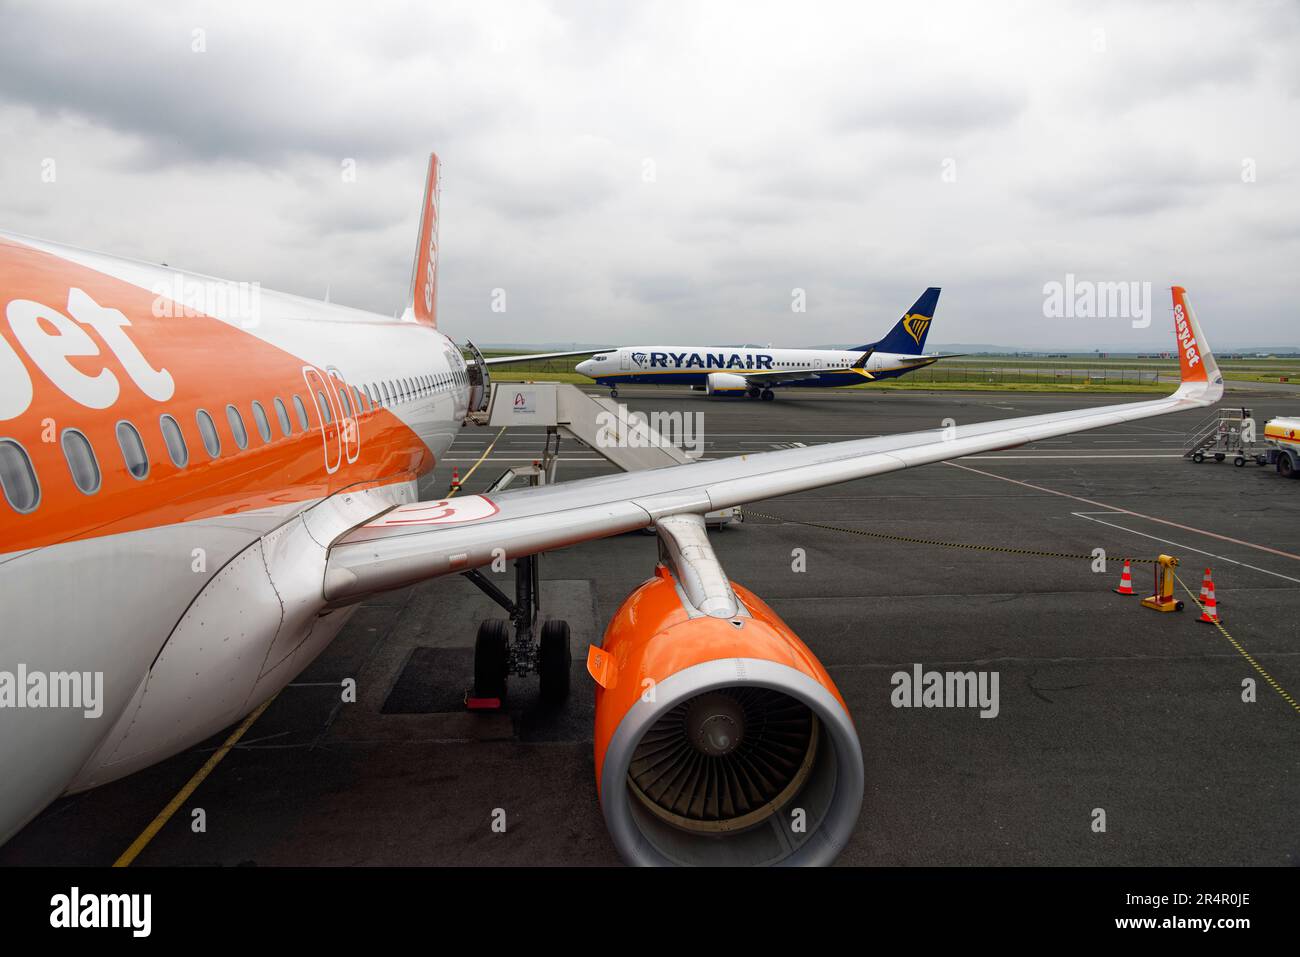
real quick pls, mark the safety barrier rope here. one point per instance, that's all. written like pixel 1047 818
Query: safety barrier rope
pixel 884 536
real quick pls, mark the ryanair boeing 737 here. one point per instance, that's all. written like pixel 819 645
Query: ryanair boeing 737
pixel 754 372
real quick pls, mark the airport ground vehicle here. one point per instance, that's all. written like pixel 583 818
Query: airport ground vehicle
pixel 1282 436
pixel 1228 433
pixel 1231 433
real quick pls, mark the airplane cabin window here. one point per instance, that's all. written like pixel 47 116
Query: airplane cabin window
pixel 81 461
pixel 323 405
pixel 208 431
pixel 263 423
pixel 133 453
pixel 388 397
pixel 175 441
pixel 301 411
pixel 282 414
pixel 17 477
pixel 347 402
pixel 237 426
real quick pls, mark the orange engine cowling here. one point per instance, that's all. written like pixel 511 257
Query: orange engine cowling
pixel 719 741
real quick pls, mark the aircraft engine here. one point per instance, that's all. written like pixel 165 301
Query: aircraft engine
pixel 725 383
pixel 719 740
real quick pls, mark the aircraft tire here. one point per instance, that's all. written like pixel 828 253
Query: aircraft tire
pixel 555 659
pixel 491 658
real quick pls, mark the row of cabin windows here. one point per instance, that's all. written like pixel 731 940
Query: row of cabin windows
pixel 23 493
pixel 396 391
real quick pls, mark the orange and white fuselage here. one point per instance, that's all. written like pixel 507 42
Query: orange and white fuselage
pixel 185 573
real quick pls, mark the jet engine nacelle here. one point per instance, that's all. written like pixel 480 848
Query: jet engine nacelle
pixel 725 383
pixel 720 741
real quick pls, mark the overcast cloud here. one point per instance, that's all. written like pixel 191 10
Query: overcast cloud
pixel 672 171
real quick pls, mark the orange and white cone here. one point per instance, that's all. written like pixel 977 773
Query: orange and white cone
pixel 455 479
pixel 1206 585
pixel 1126 580
pixel 1209 607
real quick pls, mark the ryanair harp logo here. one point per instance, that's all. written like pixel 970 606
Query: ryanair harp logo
pixel 916 324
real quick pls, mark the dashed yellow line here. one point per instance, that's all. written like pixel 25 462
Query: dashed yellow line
pixel 1272 682
pixel 486 452
pixel 183 795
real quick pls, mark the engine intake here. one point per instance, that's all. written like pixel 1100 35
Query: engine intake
pixel 725 383
pixel 720 740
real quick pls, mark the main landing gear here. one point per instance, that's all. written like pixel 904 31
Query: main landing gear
pixel 767 395
pixel 613 392
pixel 497 655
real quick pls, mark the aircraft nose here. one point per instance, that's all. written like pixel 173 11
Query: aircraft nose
pixel 583 367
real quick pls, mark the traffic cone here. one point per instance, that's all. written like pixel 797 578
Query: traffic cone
pixel 1206 585
pixel 455 479
pixel 1209 607
pixel 1126 580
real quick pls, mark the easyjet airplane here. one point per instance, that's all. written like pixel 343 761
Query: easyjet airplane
pixel 753 372
pixel 197 494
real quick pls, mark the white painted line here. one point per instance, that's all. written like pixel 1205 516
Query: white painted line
pixel 1220 558
pixel 1125 511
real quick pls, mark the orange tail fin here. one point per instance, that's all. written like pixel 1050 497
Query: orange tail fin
pixel 422 304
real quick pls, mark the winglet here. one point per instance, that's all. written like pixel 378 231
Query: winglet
pixel 1195 360
pixel 422 303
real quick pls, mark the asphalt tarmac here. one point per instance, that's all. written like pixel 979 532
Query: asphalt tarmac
pixel 1103 705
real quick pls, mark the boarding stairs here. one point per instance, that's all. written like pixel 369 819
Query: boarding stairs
pixel 622 437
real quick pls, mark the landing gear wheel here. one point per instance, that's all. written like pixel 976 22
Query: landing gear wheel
pixel 1198 456
pixel 1239 461
pixel 613 393
pixel 554 659
pixel 768 395
pixel 752 394
pixel 491 659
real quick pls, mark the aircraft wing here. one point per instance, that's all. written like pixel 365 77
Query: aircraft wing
pixel 506 360
pixel 428 539
pixel 773 376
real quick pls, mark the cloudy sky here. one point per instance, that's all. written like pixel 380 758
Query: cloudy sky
pixel 671 172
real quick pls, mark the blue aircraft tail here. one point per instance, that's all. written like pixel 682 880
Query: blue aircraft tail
pixel 908 335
